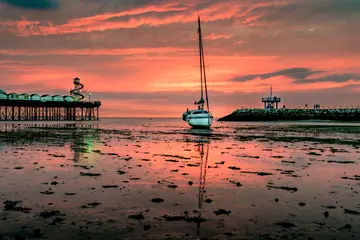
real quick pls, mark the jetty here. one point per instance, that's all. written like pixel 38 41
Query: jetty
pixel 272 112
pixel 35 107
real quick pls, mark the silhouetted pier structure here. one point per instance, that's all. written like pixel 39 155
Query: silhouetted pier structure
pixel 18 110
pixel 271 112
pixel 271 102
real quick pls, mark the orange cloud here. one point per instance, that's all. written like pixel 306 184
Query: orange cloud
pixel 136 18
pixel 106 16
pixel 124 51
pixel 213 36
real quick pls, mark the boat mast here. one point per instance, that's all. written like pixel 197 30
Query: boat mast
pixel 202 65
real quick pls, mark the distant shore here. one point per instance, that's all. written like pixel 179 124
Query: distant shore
pixel 283 114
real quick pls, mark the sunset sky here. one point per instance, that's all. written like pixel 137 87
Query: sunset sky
pixel 140 57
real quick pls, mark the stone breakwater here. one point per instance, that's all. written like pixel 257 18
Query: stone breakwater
pixel 352 114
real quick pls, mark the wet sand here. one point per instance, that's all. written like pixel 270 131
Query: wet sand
pixel 149 179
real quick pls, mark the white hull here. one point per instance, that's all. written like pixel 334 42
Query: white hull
pixel 200 122
pixel 203 120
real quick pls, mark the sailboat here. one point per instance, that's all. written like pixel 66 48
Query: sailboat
pixel 200 117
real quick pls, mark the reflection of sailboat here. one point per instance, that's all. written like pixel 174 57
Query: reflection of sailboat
pixel 200 118
pixel 202 181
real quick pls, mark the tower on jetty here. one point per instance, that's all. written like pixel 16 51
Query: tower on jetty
pixel 271 102
pixel 35 107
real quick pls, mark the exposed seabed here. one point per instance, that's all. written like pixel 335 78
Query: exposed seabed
pixel 151 180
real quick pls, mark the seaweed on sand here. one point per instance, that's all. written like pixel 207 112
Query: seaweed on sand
pixel 110 186
pixel 314 154
pixel 334 150
pixel 47 192
pixel 120 172
pixel 90 174
pixel 193 164
pixel 356 177
pixel 185 218
pixel 157 200
pixel 285 224
pixel 138 217
pixel 13 206
pixel 353 212
pixel 50 213
pixel 83 166
pixel 291 189
pixel 340 162
pixel 234 168
pixel 91 205
pixel 238 184
pixel 284 161
pixel 248 156
pixel 171 160
pixel 172 156
pixel 222 212
pixel 258 173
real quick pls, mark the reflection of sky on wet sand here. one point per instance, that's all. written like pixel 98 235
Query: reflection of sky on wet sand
pixel 158 161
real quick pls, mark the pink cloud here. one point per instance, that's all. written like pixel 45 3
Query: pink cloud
pixel 124 51
pixel 106 21
pixel 213 36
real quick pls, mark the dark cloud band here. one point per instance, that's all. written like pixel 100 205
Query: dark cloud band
pixel 294 73
pixel 33 4
pixel 300 75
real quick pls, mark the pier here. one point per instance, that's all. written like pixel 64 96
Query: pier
pixel 26 107
pixel 272 112
pixel 283 114
pixel 18 110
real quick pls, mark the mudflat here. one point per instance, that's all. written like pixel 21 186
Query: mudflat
pixel 158 179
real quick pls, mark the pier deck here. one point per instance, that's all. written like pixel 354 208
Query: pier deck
pixel 20 110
